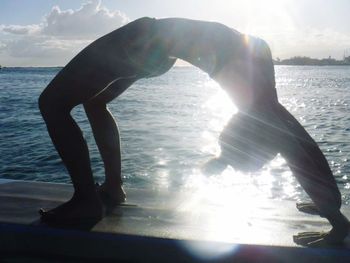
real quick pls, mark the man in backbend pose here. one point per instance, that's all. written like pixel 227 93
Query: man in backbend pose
pixel 147 47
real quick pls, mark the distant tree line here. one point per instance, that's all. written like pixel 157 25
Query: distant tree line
pixel 301 61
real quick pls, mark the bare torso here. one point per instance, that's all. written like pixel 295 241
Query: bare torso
pixel 241 64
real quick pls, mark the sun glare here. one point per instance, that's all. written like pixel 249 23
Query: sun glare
pixel 219 104
pixel 260 18
pixel 220 109
pixel 226 205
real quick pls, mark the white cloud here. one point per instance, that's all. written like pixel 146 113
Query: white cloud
pixel 90 21
pixel 61 35
pixel 40 46
pixel 21 30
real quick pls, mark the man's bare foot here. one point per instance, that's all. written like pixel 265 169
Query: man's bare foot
pixel 74 211
pixel 111 196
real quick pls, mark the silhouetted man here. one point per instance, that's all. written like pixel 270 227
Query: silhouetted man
pixel 147 47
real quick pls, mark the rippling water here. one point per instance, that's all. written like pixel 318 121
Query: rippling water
pixel 170 126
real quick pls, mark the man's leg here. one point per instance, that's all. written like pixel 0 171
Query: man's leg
pixel 106 135
pixel 107 138
pixel 72 86
pixel 72 148
pixel 311 168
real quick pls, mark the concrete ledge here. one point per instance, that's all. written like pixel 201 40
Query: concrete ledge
pixel 157 226
pixel 70 245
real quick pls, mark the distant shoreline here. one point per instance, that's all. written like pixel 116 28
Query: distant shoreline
pixel 315 65
pixel 275 62
pixel 307 61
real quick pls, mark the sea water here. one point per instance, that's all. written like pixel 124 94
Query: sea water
pixel 169 129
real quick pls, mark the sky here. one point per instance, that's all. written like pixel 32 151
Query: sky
pixel 50 33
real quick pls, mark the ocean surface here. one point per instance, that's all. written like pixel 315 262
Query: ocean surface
pixel 169 129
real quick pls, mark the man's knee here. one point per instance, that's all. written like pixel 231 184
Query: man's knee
pixel 44 103
pixel 51 107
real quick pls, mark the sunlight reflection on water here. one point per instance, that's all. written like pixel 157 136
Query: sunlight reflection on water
pixel 225 187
